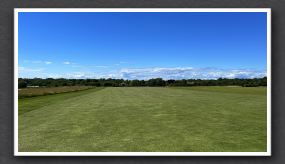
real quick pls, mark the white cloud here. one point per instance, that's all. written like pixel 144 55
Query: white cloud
pixel 66 63
pixel 157 72
pixel 120 63
pixel 37 62
pixel 170 73
pixel 25 69
pixel 87 67
pixel 189 73
pixel 101 66
pixel 48 62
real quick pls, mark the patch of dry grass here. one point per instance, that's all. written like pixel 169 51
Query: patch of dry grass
pixel 31 92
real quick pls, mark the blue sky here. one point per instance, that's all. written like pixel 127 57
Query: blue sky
pixel 142 45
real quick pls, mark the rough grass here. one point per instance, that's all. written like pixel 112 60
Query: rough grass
pixel 41 91
pixel 146 119
pixel 36 102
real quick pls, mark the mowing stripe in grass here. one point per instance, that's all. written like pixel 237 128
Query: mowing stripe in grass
pixel 227 89
pixel 147 119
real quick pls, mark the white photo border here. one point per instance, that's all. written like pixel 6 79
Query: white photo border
pixel 19 10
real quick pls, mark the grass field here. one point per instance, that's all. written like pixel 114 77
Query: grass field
pixel 32 92
pixel 149 119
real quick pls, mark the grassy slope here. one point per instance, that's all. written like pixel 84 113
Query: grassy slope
pixel 36 102
pixel 147 119
pixel 42 91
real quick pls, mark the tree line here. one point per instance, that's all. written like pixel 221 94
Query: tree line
pixel 157 82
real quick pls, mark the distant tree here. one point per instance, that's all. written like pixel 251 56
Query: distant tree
pixel 22 84
pixel 134 83
pixel 50 82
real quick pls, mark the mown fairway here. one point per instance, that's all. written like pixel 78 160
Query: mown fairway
pixel 148 119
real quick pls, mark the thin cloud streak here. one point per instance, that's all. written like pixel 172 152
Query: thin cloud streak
pixel 25 69
pixel 38 62
pixel 48 62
